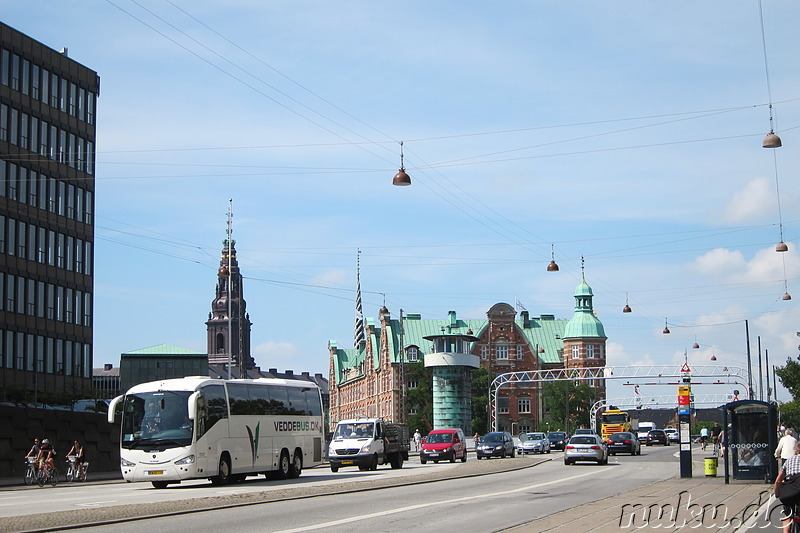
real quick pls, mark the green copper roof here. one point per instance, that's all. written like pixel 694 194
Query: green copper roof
pixel 163 349
pixel 545 332
pixel 584 324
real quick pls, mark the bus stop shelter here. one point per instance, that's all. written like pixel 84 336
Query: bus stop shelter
pixel 749 438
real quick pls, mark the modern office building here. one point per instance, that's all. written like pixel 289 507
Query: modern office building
pixel 47 166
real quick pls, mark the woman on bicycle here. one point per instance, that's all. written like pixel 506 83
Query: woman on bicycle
pixel 80 456
pixel 34 451
pixel 790 469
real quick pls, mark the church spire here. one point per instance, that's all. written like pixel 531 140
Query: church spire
pixel 228 326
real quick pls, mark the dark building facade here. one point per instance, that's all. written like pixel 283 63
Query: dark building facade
pixel 228 316
pixel 47 167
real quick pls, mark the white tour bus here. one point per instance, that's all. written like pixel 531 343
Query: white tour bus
pixel 224 430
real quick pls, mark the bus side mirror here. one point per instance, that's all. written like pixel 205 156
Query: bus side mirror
pixel 112 408
pixel 193 405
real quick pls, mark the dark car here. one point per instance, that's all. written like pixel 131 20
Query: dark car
pixel 624 443
pixel 495 444
pixel 657 436
pixel 558 439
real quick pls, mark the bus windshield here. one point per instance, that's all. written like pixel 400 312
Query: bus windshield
pixel 157 419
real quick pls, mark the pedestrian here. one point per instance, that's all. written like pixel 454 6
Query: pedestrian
pixel 789 470
pixel 417 440
pixel 785 447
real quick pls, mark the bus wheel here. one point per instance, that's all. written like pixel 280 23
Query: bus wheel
pixel 283 465
pixel 224 476
pixel 297 465
pixel 159 484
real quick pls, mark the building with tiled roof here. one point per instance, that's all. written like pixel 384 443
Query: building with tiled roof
pixel 366 381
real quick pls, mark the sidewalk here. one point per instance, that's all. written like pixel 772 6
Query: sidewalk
pixel 698 503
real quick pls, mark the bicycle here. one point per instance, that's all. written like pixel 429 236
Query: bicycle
pixel 76 472
pixel 30 471
pixel 47 474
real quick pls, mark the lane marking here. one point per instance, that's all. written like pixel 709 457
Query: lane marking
pixel 430 504
pixel 96 504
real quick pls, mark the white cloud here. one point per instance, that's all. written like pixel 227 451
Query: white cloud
pixel 756 201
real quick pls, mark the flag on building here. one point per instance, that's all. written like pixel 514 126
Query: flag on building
pixel 359 336
pixel 518 305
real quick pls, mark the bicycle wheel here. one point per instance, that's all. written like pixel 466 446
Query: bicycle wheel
pixel 30 475
pixel 54 477
pixel 70 475
pixel 40 478
pixel 83 473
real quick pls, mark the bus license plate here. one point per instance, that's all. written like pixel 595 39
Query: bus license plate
pixel 155 472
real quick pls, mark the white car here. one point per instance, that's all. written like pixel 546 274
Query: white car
pixel 673 435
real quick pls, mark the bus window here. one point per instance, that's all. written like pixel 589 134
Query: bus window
pixel 313 402
pixel 279 401
pixel 216 405
pixel 259 399
pixel 297 401
pixel 239 398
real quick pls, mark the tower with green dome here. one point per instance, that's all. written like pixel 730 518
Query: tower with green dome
pixel 584 337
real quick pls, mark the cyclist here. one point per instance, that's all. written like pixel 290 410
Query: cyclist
pixel 34 451
pixel 47 454
pixel 80 457
pixel 703 438
pixel 790 469
pixel 716 435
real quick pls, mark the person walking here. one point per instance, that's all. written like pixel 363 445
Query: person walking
pixel 786 447
pixel 789 470
pixel 417 441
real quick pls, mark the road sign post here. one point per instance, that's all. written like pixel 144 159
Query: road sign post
pixel 685 419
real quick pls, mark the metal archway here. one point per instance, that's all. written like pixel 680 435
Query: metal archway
pixel 663 373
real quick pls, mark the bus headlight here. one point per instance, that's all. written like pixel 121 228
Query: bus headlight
pixel 185 461
pixel 126 463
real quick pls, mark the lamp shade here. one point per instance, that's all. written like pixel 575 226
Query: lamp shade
pixel 401 179
pixel 771 141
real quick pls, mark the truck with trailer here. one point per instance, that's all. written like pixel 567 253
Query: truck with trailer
pixel 367 443
pixel 615 421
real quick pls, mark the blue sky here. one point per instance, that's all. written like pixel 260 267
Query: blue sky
pixel 627 135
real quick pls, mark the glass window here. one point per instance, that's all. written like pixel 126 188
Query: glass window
pixel 90 108
pixel 576 351
pixel 13 127
pixel 60 255
pixel 3 122
pixel 2 234
pixel 54 90
pixel 20 350
pixel 212 408
pixel 42 183
pixel 11 284
pixel 5 62
pixel 67 358
pixel 49 355
pixel 81 105
pixel 52 192
pixel 87 258
pixel 501 351
pixel 32 242
pixel 70 201
pixel 15 72
pixel 413 354
pixel 279 401
pixel 26 76
pixel 9 349
pixel 23 131
pixel 40 285
pixel 40 245
pixel 12 236
pixel 51 301
pixel 89 207
pixel 87 309
pixel 51 247
pixel 73 90
pixel 297 401
pixel 45 85
pixel 20 295
pixel 62 97
pixel 70 249
pixel 239 399
pixel 22 187
pixel 523 405
pixel 44 146
pixel 61 197
pixel 59 357
pixel 21 241
pixel 60 304
pixel 35 81
pixel 34 135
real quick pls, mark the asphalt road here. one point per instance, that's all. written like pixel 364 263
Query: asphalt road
pixel 415 497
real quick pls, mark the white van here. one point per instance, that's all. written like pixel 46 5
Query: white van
pixel 644 429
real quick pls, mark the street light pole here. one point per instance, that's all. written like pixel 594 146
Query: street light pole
pixel 230 291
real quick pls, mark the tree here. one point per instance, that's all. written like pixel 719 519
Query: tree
pixel 480 400
pixel 790 377
pixel 420 399
pixel 567 404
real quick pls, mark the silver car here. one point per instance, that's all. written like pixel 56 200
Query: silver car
pixel 586 448
pixel 533 443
